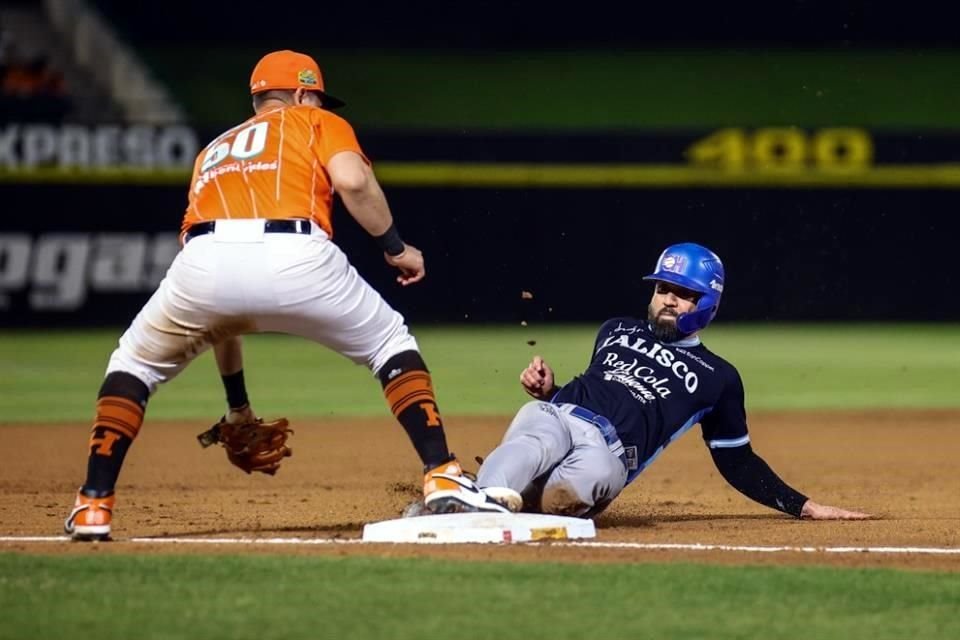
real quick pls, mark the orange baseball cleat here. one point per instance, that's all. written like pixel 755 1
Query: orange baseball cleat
pixel 90 518
pixel 447 490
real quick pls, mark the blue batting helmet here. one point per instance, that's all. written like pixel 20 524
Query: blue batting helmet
pixel 693 267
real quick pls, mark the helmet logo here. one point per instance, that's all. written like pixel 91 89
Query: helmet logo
pixel 673 263
pixel 716 286
pixel 307 77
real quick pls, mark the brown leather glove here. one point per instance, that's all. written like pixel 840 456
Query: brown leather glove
pixel 252 445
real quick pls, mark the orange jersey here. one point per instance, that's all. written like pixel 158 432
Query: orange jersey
pixel 271 166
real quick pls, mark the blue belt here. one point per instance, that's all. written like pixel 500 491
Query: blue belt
pixel 606 428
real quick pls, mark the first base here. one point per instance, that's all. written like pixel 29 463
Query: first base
pixel 453 528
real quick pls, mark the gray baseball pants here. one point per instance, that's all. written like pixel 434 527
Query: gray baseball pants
pixel 561 464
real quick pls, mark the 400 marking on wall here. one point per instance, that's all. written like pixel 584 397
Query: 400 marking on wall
pixel 784 149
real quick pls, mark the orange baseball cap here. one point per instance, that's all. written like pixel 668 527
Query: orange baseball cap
pixel 290 70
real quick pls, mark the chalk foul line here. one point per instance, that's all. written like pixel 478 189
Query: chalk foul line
pixel 644 546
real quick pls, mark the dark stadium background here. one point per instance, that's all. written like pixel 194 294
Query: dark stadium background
pixel 536 84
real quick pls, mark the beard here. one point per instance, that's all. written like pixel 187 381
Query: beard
pixel 664 325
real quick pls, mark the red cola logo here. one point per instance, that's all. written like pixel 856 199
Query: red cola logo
pixel 655 353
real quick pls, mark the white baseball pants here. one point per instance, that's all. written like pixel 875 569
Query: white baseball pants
pixel 240 280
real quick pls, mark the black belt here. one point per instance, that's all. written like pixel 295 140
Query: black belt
pixel 269 226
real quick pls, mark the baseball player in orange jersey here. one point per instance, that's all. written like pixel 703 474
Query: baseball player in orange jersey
pixel 258 257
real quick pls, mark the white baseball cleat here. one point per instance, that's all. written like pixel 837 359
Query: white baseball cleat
pixel 461 495
pixel 506 496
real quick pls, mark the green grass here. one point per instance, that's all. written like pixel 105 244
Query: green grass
pixel 279 597
pixel 635 89
pixel 54 376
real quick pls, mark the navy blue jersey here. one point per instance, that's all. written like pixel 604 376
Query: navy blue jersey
pixel 653 392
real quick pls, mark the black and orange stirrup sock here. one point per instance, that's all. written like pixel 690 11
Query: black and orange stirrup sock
pixel 120 407
pixel 409 392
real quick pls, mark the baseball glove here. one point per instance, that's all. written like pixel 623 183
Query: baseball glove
pixel 253 445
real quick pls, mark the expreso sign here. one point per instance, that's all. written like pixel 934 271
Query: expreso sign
pixel 34 146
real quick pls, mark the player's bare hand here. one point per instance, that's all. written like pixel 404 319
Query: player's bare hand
pixel 537 379
pixel 410 263
pixel 813 511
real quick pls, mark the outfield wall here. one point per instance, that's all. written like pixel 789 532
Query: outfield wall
pixel 838 223
pixel 82 254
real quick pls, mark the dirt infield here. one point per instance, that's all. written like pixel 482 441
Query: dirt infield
pixel 901 466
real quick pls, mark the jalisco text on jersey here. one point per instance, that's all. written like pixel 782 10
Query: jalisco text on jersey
pixel 656 353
